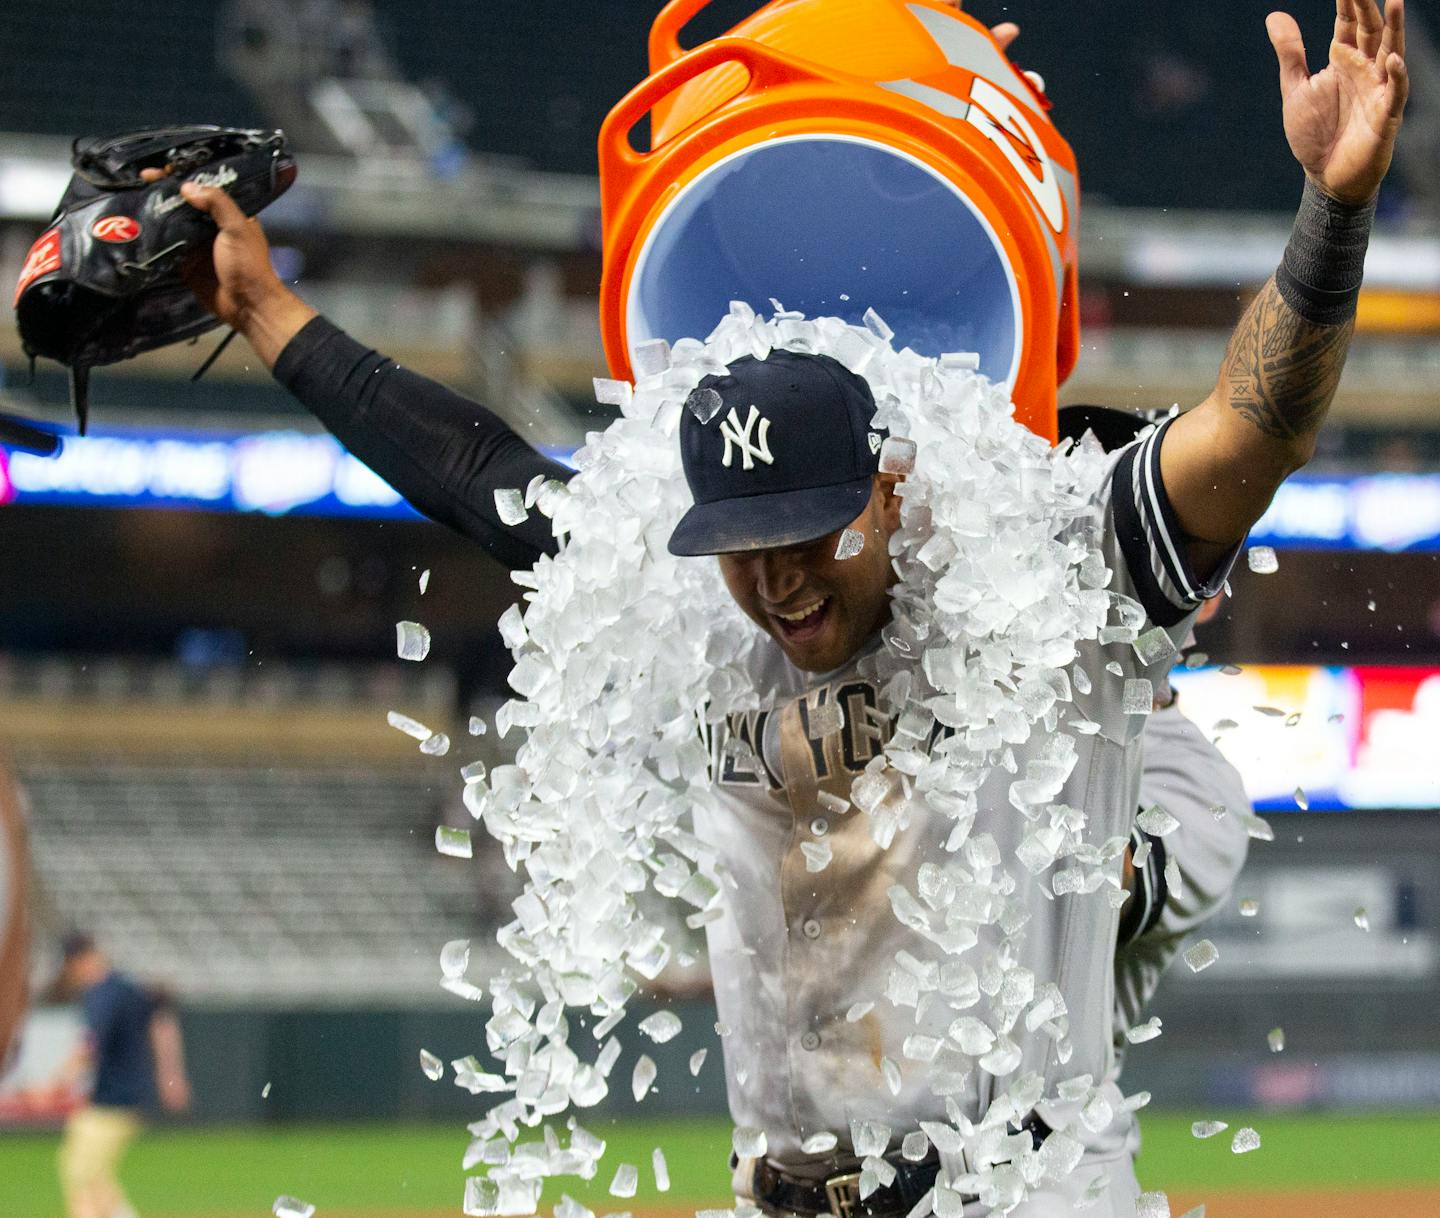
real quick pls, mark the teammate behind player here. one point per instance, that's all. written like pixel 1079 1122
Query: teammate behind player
pixel 1186 775
pixel 802 949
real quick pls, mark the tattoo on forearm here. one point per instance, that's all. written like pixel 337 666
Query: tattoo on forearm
pixel 1280 370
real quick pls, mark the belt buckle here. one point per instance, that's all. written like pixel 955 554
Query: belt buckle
pixel 843 1194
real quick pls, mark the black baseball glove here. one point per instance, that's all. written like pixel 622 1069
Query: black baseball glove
pixel 103 282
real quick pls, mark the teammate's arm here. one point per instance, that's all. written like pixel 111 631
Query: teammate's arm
pixel 1223 461
pixel 446 454
pixel 167 1047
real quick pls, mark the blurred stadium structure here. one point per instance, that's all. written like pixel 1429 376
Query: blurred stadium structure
pixel 196 636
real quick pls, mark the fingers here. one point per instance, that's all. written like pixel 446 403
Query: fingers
pixel 1005 33
pixel 1372 27
pixel 1397 86
pixel 215 203
pixel 152 175
pixel 1347 24
pixel 1289 50
pixel 1392 41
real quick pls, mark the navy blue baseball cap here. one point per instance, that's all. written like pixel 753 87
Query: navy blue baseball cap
pixel 785 454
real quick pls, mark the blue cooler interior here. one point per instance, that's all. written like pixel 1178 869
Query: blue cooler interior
pixel 814 221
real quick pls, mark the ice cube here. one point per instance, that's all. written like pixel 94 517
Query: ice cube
pixel 1270 712
pixel 858 1012
pixel 411 727
pixel 1262 560
pixel 477 725
pixel 897 456
pixel 697 1059
pixel 1197 1212
pixel 869 1138
pixel 851 542
pixel 1154 646
pixel 424 581
pixel 973 1036
pixel 627 1179
pixel 651 358
pixel 1152 1205
pixel 613 393
pixel 412 641
pixel 435 746
pixel 473 772
pixel 825 719
pixel 661 1169
pixel 453 842
pixel 265 1092
pixel 1137 697
pixel 704 404
pixel 1249 907
pixel 876 325
pixel 1141 855
pixel 292 1207
pixel 819 1143
pixel 890 1072
pixel 1224 725
pixel 915 1146
pixel 431 1066
pixel 1201 956
pixel 661 1026
pixel 1244 1141
pixel 1208 1129
pixel 1157 822
pixel 1293 718
pixel 817 855
pixel 749 1142
pixel 1302 801
pixel 1114 669
pixel 455 958
pixel 832 803
pixel 642 1077
pixel 1276 1039
pixel 960 361
pixel 1148 1030
pixel 510 507
pixel 1362 919
pixel 1256 826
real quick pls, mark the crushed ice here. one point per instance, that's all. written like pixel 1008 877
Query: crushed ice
pixel 627 657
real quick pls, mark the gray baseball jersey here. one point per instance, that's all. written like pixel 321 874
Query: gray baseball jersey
pixel 1184 773
pixel 801 959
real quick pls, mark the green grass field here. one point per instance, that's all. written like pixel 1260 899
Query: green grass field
pixel 405 1169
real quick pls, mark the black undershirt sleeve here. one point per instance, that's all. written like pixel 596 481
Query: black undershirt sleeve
pixel 446 454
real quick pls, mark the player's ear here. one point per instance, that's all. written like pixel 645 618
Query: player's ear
pixel 886 501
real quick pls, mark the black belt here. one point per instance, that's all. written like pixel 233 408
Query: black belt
pixel 777 1192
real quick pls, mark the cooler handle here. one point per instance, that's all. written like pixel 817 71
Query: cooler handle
pixel 766 67
pixel 665 45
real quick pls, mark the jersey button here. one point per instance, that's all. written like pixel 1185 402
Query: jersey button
pixel 810 928
pixel 810 1041
pixel 819 826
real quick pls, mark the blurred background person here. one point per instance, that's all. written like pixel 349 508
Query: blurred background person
pixel 133 1054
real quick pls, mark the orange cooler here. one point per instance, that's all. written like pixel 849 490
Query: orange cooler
pixel 839 155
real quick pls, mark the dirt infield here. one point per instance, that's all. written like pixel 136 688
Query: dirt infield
pixel 1322 1203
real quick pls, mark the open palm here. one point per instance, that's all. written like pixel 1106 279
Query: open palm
pixel 1342 121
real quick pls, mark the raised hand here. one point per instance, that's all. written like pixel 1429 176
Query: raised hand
pixel 1342 121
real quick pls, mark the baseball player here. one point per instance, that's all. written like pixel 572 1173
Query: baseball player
pixel 797 962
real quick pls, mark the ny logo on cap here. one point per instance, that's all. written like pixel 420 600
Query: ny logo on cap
pixel 738 435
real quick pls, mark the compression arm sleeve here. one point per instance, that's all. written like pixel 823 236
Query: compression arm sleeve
pixel 446 454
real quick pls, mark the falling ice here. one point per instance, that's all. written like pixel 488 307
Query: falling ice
pixel 412 641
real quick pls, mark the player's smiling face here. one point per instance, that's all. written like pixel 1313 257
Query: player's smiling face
pixel 820 609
